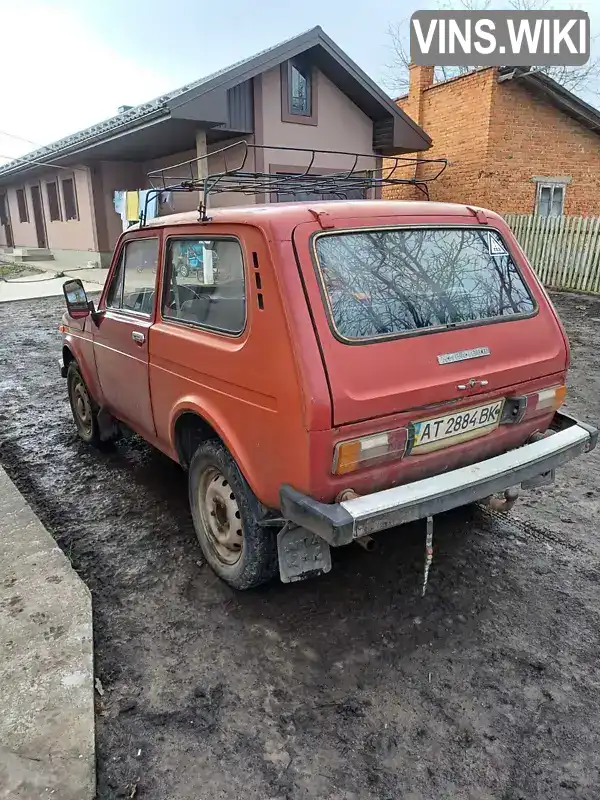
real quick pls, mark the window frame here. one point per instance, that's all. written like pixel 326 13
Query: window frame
pixel 4 209
pixel 296 171
pixel 287 114
pixel 58 209
pixel 23 190
pixel 552 183
pixel 418 331
pixel 115 272
pixel 64 202
pixel 166 286
pixel 553 188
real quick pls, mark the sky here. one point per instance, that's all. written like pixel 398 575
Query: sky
pixel 67 64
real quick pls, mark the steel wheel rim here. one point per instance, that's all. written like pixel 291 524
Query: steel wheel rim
pixel 82 406
pixel 221 518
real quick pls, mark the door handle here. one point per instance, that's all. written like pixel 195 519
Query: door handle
pixel 138 337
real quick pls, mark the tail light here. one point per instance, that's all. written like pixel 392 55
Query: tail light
pixel 517 409
pixel 543 401
pixel 371 450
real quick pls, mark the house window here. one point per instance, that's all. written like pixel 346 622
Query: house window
pixel 3 211
pixel 292 195
pixel 70 199
pixel 53 201
pixel 22 205
pixel 299 89
pixel 298 92
pixel 550 197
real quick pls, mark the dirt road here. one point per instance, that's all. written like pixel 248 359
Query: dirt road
pixel 351 687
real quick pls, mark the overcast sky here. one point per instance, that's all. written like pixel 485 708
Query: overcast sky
pixel 67 64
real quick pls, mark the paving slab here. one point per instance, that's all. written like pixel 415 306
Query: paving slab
pixel 89 274
pixel 33 286
pixel 46 663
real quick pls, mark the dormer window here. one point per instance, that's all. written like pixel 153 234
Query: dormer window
pixel 298 95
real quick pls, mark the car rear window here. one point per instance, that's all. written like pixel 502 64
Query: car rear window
pixel 388 282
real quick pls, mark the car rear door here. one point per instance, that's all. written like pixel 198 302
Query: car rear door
pixel 428 355
pixel 121 335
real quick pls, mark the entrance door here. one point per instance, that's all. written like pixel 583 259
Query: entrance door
pixel 38 216
pixel 5 221
pixel 121 338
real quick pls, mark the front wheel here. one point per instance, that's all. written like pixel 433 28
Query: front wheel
pixel 85 411
pixel 226 517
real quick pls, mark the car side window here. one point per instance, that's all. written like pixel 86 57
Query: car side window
pixel 134 282
pixel 204 284
pixel 114 295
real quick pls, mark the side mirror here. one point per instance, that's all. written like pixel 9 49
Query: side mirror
pixel 76 298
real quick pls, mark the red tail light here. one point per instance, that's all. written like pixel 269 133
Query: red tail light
pixel 368 451
pixel 543 401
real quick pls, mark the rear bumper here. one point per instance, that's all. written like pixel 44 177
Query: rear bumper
pixel 341 523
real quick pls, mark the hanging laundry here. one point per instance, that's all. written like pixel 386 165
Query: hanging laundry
pixel 119 202
pixel 166 200
pixel 132 203
pixel 148 203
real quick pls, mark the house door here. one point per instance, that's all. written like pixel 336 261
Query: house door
pixel 38 216
pixel 5 221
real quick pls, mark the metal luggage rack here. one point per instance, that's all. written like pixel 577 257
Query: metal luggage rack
pixel 193 176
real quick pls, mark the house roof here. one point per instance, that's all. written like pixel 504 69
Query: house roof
pixel 205 103
pixel 543 85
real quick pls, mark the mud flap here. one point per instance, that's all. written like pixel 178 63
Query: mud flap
pixel 107 424
pixel 301 554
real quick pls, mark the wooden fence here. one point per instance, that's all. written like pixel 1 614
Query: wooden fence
pixel 564 251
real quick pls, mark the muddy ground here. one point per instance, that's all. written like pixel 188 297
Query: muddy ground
pixel 350 687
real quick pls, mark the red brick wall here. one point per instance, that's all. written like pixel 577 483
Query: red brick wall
pixel 497 137
pixel 530 137
pixel 456 115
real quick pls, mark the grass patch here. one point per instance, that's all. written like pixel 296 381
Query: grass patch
pixel 11 270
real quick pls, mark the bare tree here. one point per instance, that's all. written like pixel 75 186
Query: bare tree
pixel 577 79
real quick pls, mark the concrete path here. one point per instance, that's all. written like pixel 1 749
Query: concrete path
pixel 46 663
pixel 45 284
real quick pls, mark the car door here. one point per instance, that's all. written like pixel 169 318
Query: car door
pixel 121 336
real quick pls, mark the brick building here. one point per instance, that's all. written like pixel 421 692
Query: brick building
pixel 516 141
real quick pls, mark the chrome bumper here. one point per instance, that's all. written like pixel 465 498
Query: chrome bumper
pixel 341 523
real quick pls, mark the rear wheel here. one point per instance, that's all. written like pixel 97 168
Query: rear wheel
pixel 83 408
pixel 226 517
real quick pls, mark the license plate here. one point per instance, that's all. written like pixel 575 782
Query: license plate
pixel 431 434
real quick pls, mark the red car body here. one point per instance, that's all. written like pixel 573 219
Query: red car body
pixel 283 393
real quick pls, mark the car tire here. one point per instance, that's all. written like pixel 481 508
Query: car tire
pixel 227 517
pixel 83 407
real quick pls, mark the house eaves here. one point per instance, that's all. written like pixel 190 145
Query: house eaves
pixel 542 85
pixel 405 134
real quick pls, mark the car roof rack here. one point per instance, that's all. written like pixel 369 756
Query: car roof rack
pixel 239 174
